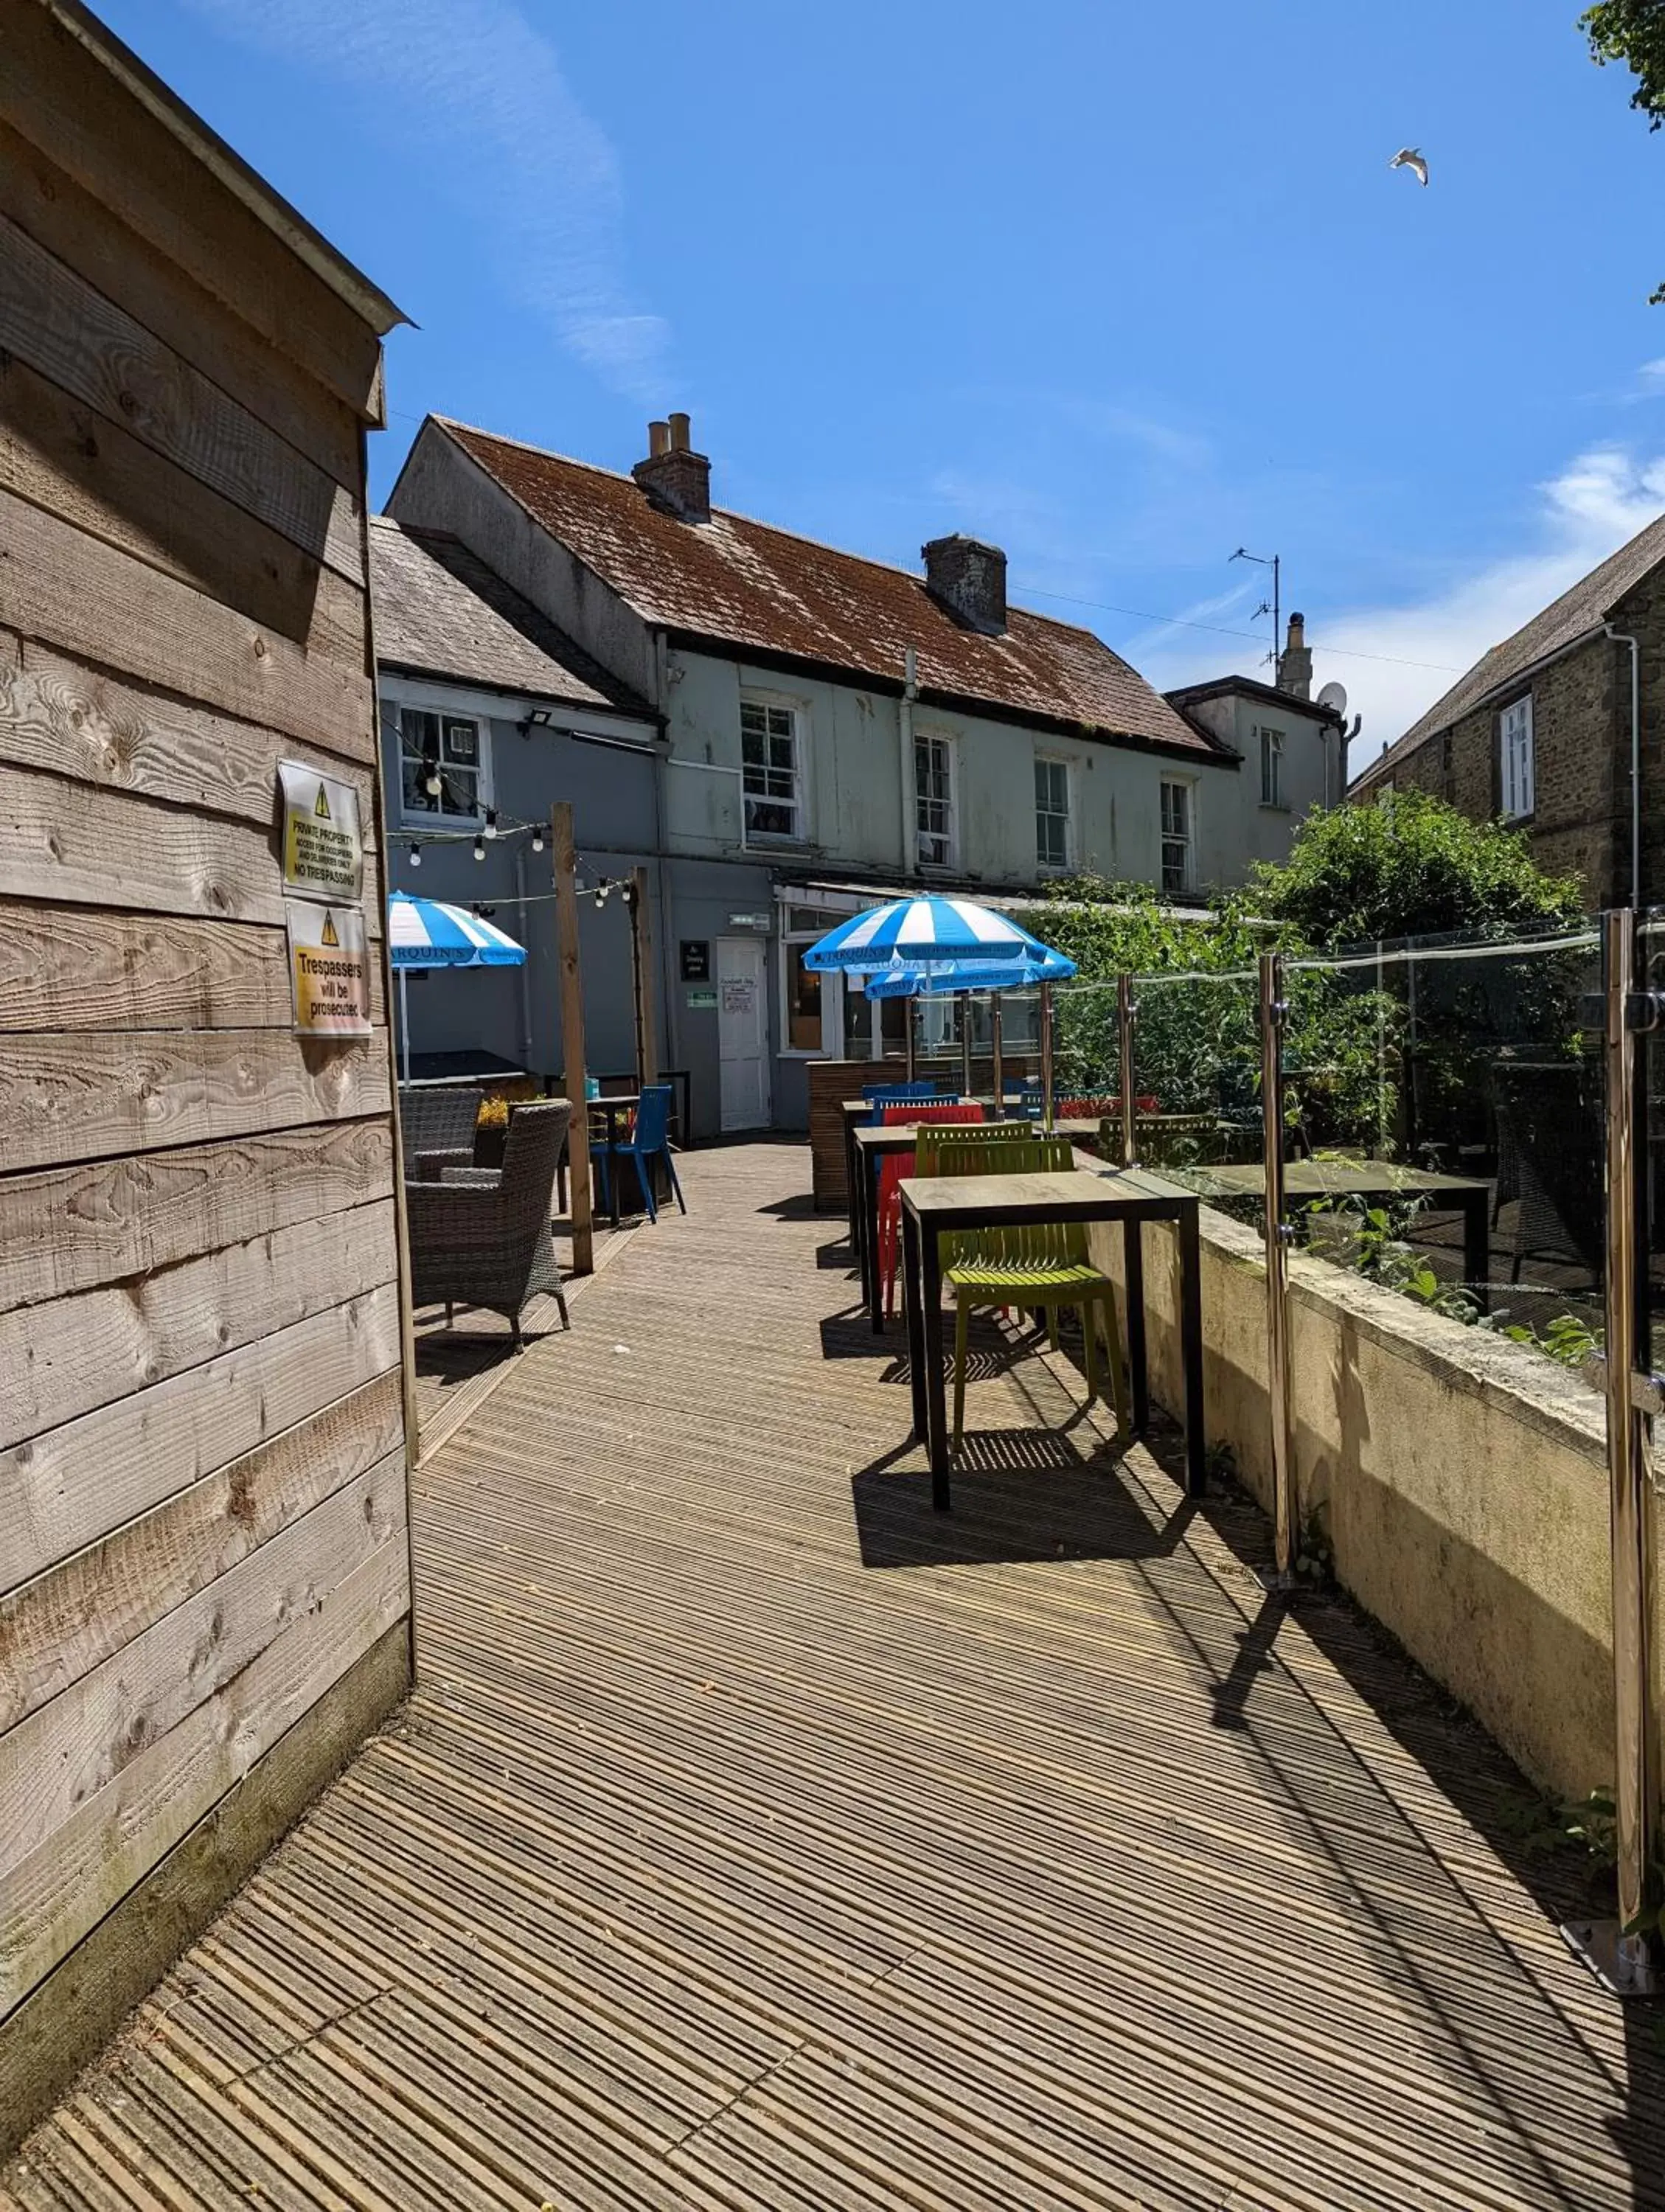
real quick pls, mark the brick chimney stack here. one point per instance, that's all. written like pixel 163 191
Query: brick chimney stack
pixel 969 579
pixel 676 479
pixel 1294 661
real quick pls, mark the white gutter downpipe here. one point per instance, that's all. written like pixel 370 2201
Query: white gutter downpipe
pixel 905 762
pixel 1621 637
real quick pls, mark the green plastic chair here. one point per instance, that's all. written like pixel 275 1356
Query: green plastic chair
pixel 1043 1265
pixel 954 1148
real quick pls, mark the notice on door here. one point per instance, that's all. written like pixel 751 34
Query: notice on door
pixel 330 968
pixel 322 842
pixel 739 995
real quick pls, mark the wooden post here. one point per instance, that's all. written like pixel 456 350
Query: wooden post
pixel 641 964
pixel 572 1034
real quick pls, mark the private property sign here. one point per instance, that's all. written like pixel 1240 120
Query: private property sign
pixel 329 969
pixel 323 843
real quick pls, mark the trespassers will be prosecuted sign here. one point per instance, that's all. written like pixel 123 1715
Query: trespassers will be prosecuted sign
pixel 329 969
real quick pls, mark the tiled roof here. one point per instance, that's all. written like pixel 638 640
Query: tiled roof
pixel 1582 608
pixel 440 611
pixel 748 586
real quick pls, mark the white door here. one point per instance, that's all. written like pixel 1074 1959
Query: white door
pixel 742 1033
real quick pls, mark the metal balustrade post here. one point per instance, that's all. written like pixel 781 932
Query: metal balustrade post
pixel 1124 1039
pixel 1625 1963
pixel 1046 1057
pixel 1273 1011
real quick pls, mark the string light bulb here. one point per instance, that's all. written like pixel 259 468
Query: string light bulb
pixel 479 848
pixel 431 783
pixel 491 821
pixel 415 853
pixel 537 839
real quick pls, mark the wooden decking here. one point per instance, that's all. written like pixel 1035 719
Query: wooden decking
pixel 755 1839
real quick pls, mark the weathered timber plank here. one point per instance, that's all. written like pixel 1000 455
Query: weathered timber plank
pixel 69 2017
pixel 87 347
pixel 58 453
pixel 76 1097
pixel 70 1228
pixel 64 1889
pixel 48 203
pixel 60 1360
pixel 61 100
pixel 77 722
pixel 74 968
pixel 75 1483
pixel 55 1629
pixel 74 843
pixel 76 1745
pixel 73 591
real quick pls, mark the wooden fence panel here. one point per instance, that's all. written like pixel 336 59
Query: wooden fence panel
pixel 201 1396
pixel 70 1228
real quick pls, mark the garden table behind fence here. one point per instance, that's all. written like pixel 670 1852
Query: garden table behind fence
pixel 1376 1182
pixel 932 1205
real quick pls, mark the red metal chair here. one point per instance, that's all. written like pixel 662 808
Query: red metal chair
pixel 892 1168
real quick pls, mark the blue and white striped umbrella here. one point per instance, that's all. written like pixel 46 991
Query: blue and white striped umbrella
pixel 972 976
pixel 920 932
pixel 428 933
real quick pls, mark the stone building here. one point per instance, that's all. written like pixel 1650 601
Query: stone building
pixel 1560 731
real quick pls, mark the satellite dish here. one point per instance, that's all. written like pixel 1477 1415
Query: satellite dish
pixel 1334 697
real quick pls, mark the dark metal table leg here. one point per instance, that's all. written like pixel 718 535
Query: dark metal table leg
pixel 852 1194
pixel 1133 1248
pixel 872 1169
pixel 936 1395
pixel 1477 1246
pixel 910 1307
pixel 1190 1339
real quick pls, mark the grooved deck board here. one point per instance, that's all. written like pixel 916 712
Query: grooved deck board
pixel 755 1838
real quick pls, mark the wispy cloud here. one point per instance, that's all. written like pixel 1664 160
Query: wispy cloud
pixel 484 93
pixel 1602 498
pixel 1397 659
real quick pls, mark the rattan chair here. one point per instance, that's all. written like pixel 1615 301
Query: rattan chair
pixel 436 1130
pixel 481 1236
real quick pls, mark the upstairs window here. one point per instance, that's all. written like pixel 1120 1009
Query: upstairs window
pixel 1176 838
pixel 1052 814
pixel 933 799
pixel 1515 744
pixel 447 749
pixel 770 770
pixel 1271 767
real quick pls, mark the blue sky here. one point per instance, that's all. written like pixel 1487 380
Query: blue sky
pixel 1119 287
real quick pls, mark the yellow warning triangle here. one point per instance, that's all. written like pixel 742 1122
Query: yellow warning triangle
pixel 322 804
pixel 329 936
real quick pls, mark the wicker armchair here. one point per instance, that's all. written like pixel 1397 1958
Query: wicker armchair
pixel 436 1122
pixel 482 1238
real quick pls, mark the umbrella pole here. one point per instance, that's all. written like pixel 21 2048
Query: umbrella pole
pixel 1046 1058
pixel 1000 1064
pixel 404 1020
pixel 965 1044
pixel 907 1029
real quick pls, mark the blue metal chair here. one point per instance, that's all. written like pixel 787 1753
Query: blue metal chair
pixel 649 1139
pixel 881 1095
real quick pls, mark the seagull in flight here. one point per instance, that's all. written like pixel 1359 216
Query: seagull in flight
pixel 1408 158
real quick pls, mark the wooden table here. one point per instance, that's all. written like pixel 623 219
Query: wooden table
pixel 1375 1180
pixel 870 1146
pixel 932 1205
